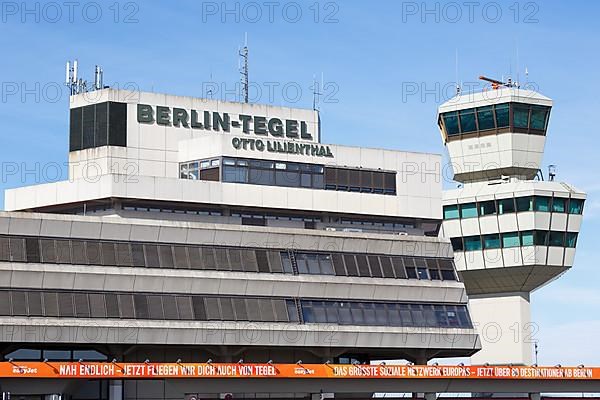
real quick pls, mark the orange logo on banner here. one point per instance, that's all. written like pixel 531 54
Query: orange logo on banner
pixel 118 370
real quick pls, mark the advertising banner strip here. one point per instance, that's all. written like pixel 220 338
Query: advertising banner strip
pixel 118 370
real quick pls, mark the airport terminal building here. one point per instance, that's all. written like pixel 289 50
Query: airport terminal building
pixel 193 230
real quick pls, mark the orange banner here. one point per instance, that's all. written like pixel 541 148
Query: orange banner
pixel 116 370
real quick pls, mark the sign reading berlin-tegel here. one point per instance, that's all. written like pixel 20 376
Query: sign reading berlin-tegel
pixel 216 121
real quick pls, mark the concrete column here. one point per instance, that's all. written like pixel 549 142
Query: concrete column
pixel 503 322
pixel 430 396
pixel 534 396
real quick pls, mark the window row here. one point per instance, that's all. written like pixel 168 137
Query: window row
pixel 372 266
pixel 55 354
pixel 519 117
pixel 360 180
pixel 511 205
pixel 132 254
pixel 385 314
pixel 63 304
pixel 515 239
pixel 290 174
pixel 143 306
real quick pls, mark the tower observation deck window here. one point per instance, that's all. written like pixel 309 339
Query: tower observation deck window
pixel 467 120
pixel 451 212
pixel 485 118
pixel 527 238
pixel 524 204
pixel 491 241
pixel 511 205
pixel 521 116
pixel 510 239
pixel 472 243
pixel 542 204
pixel 506 206
pixel 502 115
pixel 515 239
pixel 468 210
pixel 498 118
pixel 558 205
pixel 575 206
pixel 451 123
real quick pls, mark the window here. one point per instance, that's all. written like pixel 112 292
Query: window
pixel 32 250
pixel 468 210
pixel 527 238
pixel 487 208
pixel 326 264
pixel 34 301
pixel 556 239
pixel 485 118
pixel 50 304
pixel 448 274
pixel 409 265
pixel 399 269
pixel 540 238
pixel 351 266
pixel 491 241
pixel 184 308
pixel 457 244
pixel 451 212
pixel 97 306
pixel 451 123
pixel 112 305
pixel 571 240
pixel 17 249
pixel 241 312
pixel 506 206
pixel 542 203
pixel 375 267
pixel 109 256
pixel 524 204
pixel 538 117
pixel 212 308
pixel 521 116
pixel 363 265
pixel 510 239
pixel 472 243
pixel 467 120
pixel 235 174
pixel 559 205
pixel 501 115
pixel 575 206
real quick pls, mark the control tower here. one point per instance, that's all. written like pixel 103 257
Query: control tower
pixel 512 229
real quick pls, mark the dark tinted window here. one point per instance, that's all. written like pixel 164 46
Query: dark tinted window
pixel 117 129
pixel 75 129
pixel 101 125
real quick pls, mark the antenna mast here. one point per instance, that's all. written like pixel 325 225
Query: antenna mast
pixel 317 91
pixel 243 66
pixel 78 85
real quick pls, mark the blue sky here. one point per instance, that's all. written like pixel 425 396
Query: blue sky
pixel 372 56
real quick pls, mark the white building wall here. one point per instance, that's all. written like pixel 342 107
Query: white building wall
pixel 505 328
